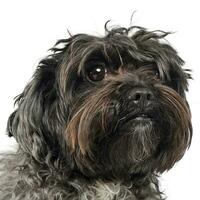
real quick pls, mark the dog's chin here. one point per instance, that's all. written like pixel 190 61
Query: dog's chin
pixel 137 143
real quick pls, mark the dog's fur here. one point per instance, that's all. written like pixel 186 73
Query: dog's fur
pixel 89 136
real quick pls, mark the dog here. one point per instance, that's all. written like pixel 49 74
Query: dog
pixel 101 119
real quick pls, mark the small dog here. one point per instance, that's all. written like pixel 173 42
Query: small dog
pixel 101 118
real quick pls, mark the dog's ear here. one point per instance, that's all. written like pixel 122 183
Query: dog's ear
pixel 37 118
pixel 169 65
pixel 177 80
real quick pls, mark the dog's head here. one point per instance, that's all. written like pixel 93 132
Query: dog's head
pixel 111 106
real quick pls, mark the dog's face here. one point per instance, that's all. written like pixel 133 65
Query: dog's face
pixel 110 106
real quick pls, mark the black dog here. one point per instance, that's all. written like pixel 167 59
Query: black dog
pixel 101 118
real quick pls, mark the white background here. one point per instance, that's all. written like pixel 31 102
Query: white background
pixel 28 28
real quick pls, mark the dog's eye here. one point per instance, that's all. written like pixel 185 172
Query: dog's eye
pixel 97 73
pixel 156 75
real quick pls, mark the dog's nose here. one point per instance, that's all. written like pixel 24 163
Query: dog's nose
pixel 141 95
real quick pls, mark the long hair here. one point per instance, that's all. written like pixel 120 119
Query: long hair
pixel 65 124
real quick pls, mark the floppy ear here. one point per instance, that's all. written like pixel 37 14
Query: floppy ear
pixel 43 107
pixel 181 128
pixel 172 74
pixel 34 122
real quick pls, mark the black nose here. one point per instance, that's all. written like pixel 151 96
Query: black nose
pixel 141 95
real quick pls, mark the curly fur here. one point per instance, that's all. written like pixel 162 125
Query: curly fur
pixel 78 139
pixel 30 185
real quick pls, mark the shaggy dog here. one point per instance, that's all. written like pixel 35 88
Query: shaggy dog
pixel 100 119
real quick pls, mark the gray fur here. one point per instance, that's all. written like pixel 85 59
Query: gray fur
pixel 15 186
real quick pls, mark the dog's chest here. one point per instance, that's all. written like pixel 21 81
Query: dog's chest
pixel 108 191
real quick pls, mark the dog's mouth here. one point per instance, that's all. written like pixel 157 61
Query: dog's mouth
pixel 138 117
pixel 142 116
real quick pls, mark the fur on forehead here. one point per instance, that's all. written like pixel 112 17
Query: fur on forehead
pixel 122 46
